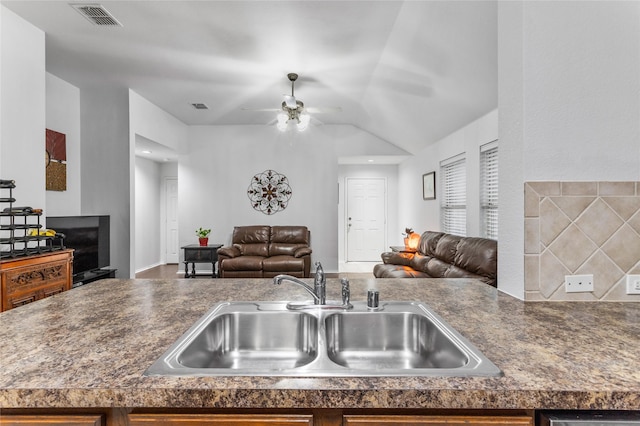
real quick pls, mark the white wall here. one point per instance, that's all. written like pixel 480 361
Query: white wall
pixel 216 172
pixel 63 115
pixel 106 171
pixel 150 211
pixel 424 215
pixel 215 175
pixel 22 120
pixel 153 123
pixel 569 101
pixel 510 151
pixel 582 91
pixel 148 250
pixel 2 35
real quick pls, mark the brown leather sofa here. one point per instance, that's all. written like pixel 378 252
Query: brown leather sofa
pixel 266 251
pixel 441 255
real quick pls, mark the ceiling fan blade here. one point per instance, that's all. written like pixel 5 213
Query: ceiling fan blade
pixel 323 110
pixel 290 101
pixel 316 122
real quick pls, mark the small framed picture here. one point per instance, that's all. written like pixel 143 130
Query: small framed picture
pixel 429 186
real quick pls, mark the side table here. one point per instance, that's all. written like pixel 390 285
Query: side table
pixel 402 249
pixel 194 253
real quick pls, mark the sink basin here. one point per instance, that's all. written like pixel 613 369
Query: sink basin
pixel 266 339
pixel 250 340
pixel 390 340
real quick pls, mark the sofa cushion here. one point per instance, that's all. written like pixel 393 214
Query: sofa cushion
pixel 287 240
pixel 419 262
pixel 283 264
pixel 397 258
pixel 251 240
pixel 229 251
pixel 447 247
pixel 243 263
pixel 302 251
pixel 250 234
pixel 290 235
pixel 428 242
pixel 397 271
pixel 280 249
pixel 253 249
pixel 478 255
pixel 437 268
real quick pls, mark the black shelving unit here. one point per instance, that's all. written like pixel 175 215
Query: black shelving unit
pixel 16 224
pixel 91 276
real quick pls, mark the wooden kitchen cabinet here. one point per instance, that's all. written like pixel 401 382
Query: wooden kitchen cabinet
pixel 395 420
pixel 220 419
pixel 238 417
pixel 27 279
pixel 54 419
pixel 330 418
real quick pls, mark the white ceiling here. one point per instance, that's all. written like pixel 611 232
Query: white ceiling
pixel 408 72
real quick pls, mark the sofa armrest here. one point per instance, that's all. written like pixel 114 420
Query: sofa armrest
pixel 397 258
pixel 302 251
pixel 230 252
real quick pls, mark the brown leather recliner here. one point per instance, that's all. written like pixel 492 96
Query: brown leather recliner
pixel 443 255
pixel 266 251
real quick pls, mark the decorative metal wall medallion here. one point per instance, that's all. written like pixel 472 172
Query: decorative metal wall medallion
pixel 269 192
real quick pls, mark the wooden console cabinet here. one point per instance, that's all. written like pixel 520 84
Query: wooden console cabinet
pixel 27 279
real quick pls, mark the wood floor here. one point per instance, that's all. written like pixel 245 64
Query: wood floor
pixel 173 271
pixel 169 271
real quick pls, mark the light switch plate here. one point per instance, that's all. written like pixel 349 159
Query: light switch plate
pixel 578 283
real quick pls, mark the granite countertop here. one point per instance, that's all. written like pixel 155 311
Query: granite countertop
pixel 89 347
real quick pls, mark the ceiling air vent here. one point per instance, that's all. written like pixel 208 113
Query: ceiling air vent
pixel 200 106
pixel 97 14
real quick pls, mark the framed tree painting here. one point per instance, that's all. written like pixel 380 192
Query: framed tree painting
pixel 429 186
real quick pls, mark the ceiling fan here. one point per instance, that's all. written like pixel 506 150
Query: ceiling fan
pixel 293 113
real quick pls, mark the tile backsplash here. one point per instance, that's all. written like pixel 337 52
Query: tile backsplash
pixel 581 228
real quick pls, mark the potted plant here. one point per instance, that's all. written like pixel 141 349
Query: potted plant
pixel 407 233
pixel 203 236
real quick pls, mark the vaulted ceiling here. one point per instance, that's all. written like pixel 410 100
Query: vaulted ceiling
pixel 409 72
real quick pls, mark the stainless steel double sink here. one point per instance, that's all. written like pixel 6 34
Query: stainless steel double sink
pixel 266 339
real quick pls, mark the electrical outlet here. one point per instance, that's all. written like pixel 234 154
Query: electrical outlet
pixel 633 284
pixel 578 283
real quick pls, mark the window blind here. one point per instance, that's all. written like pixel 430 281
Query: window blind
pixel 453 210
pixel 489 190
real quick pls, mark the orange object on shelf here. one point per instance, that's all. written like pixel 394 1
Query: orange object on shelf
pixel 412 240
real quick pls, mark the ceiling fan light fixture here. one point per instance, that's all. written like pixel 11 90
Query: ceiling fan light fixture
pixel 282 121
pixel 290 102
pixel 292 115
pixel 303 122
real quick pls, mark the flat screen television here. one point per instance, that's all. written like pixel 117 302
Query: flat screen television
pixel 88 236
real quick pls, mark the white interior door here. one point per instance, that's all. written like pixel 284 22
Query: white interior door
pixel 366 219
pixel 171 197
